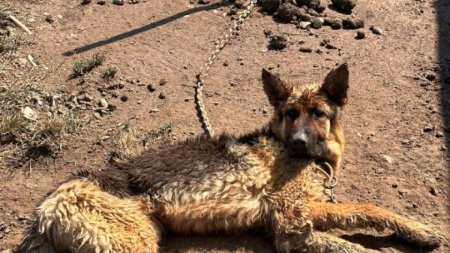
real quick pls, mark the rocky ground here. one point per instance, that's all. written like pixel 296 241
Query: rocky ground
pixel 100 80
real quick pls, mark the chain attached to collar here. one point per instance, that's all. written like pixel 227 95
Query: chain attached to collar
pixel 220 44
pixel 331 183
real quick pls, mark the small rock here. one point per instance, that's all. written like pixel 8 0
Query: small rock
pixel 124 98
pixel 103 103
pixel 352 23
pixel 428 128
pixel 270 5
pixel 388 159
pixel 312 12
pixel 162 82
pixel 112 107
pixel 162 95
pixel 306 17
pixel 304 24
pixel 439 134
pixel 337 24
pixel 305 49
pixel 344 5
pixel 49 19
pixel 330 46
pixel 154 110
pixel 360 35
pixel 432 190
pixel 277 42
pixel 430 77
pixel 313 4
pixel 85 1
pixel 321 8
pixel 29 114
pixel 287 12
pixel 375 30
pixel 101 2
pixel 118 2
pixel 317 23
pixel 328 21
pixel 151 88
pixel 133 1
pixel 204 1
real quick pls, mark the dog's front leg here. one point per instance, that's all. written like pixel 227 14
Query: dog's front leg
pixel 350 216
pixel 292 232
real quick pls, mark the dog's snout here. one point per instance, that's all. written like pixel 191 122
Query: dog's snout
pixel 300 139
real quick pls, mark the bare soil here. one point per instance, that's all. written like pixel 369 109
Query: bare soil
pixel 395 123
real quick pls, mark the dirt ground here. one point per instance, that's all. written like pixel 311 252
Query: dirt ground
pixel 397 121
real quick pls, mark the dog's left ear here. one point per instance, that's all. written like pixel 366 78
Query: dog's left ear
pixel 336 85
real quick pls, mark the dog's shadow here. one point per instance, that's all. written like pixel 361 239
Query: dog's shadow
pixel 386 243
pixel 257 242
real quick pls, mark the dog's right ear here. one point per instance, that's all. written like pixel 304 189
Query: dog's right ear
pixel 275 88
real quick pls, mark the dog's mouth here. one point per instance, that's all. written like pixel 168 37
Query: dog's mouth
pixel 302 152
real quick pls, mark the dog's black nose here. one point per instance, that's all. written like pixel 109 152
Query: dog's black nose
pixel 300 139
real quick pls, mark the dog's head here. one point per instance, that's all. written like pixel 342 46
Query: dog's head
pixel 307 116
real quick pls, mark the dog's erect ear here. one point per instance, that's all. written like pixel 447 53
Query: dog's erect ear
pixel 336 85
pixel 275 88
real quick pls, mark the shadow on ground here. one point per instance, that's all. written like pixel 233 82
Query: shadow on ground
pixel 443 21
pixel 145 28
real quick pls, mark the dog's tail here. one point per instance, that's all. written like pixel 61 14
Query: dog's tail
pixel 80 217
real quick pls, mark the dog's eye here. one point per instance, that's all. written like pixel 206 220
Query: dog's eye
pixel 292 113
pixel 318 113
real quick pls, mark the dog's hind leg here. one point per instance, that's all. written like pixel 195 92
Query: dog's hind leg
pixel 350 216
pixel 80 217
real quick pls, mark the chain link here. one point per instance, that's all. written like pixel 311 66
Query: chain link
pixel 220 44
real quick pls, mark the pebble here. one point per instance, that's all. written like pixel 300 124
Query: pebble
pixel 287 12
pixel 124 98
pixel 133 1
pixel 162 95
pixel 118 2
pixel 305 49
pixel 277 42
pixel 29 113
pixel 154 110
pixel 270 5
pixel 151 88
pixel 101 2
pixel 103 103
pixel 388 159
pixel 85 1
pixel 344 5
pixel 439 134
pixel 375 30
pixel 162 82
pixel 337 24
pixel 304 24
pixel 360 35
pixel 352 23
pixel 428 128
pixel 317 23
pixel 312 12
pixel 313 4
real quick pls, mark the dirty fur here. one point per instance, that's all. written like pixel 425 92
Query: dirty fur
pixel 267 179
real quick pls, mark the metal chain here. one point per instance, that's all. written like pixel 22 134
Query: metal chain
pixel 220 44
pixel 331 182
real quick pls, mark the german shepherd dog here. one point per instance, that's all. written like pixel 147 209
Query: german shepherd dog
pixel 268 179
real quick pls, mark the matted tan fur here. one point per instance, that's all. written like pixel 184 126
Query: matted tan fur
pixel 267 179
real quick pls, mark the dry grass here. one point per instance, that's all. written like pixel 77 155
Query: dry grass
pixel 131 142
pixel 80 68
pixel 109 73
